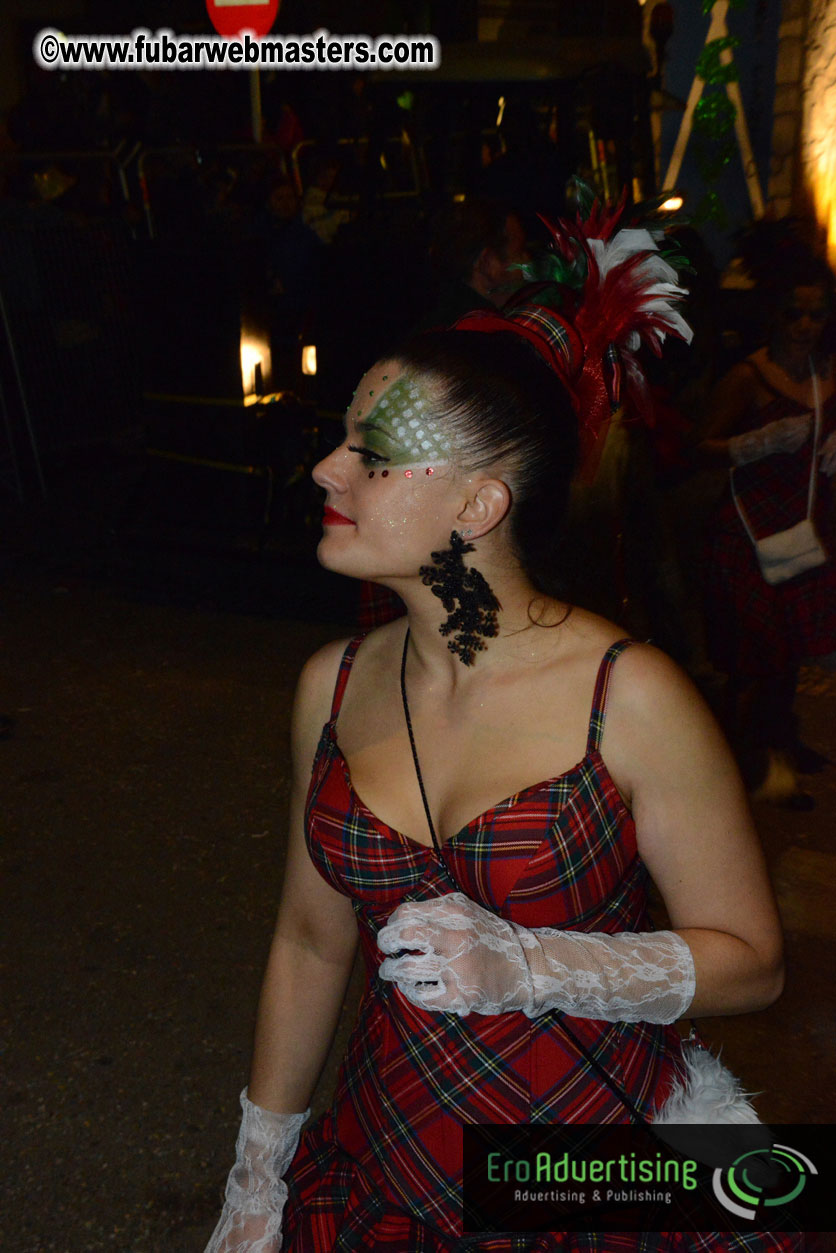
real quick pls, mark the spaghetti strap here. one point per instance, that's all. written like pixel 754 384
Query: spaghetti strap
pixel 342 676
pixel 599 700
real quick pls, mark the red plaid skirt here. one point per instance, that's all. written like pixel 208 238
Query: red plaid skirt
pixel 382 1170
pixel 755 629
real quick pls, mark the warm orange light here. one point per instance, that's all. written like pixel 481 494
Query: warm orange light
pixel 672 205
pixel 817 148
pixel 255 364
pixel 309 359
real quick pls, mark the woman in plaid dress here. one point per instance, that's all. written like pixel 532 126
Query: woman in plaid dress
pixel 501 902
pixel 761 421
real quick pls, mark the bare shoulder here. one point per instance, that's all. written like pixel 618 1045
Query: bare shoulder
pixel 644 675
pixel 318 678
pixel 588 637
pixel 650 691
pixel 312 702
pixel 658 725
pixel 739 378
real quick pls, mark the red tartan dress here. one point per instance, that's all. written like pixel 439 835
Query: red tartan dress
pixel 382 1169
pixel 755 629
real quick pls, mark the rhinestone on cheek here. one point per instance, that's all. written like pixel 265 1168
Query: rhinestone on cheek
pixel 429 470
pixel 371 474
pixel 384 474
pixel 407 474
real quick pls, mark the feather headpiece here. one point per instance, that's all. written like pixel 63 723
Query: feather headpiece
pixel 604 292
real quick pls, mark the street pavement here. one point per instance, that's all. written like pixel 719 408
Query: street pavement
pixel 144 788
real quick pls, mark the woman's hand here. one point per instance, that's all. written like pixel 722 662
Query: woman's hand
pixel 239 1231
pixel 783 435
pixel 468 960
pixel 463 959
pixel 251 1221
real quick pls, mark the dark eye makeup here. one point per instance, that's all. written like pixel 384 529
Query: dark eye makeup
pixel 369 457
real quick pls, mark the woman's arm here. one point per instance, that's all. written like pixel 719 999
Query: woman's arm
pixel 733 397
pixel 309 967
pixel 316 935
pixel 730 399
pixel 695 831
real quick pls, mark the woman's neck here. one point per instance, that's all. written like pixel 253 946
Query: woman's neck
pixel 523 612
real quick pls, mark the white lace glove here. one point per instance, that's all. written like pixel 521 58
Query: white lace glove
pixel 251 1220
pixel 783 435
pixel 466 960
pixel 828 456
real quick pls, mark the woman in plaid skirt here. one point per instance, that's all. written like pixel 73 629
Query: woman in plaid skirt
pixel 481 793
pixel 762 423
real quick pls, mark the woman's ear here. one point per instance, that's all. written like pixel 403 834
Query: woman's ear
pixel 486 508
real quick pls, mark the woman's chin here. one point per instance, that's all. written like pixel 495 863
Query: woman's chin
pixel 330 558
pixel 332 555
pixel 326 554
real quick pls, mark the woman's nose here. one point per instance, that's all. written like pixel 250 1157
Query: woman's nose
pixel 328 472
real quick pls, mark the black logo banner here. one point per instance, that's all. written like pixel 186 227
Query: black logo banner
pixel 738 1178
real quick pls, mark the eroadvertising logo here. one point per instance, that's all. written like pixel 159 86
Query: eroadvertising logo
pixel 741 1178
pixel 741 1186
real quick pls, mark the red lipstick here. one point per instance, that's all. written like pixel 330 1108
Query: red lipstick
pixel 331 518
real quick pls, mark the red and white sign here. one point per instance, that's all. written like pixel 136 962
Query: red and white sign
pixel 231 17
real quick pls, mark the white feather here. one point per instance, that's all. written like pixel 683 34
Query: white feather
pixel 707 1092
pixel 661 289
pixel 624 245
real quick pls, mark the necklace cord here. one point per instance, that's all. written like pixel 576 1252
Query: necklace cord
pixel 593 1061
pixel 436 844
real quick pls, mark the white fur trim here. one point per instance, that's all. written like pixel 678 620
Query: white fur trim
pixel 707 1092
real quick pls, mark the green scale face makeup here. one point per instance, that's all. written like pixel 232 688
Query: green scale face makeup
pixel 400 427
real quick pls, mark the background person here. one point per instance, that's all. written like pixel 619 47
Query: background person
pixel 477 252
pixel 761 422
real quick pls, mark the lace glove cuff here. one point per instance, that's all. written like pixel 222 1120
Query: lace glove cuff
pixel 451 954
pixel 783 435
pixel 828 456
pixel 629 977
pixel 255 1190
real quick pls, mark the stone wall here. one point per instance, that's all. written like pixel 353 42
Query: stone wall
pixel 788 109
pixel 817 155
pixel 802 177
